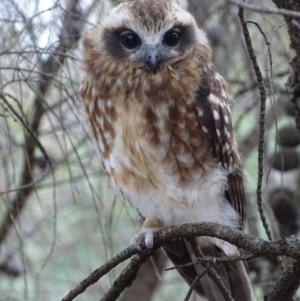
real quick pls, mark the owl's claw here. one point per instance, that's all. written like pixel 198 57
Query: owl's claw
pixel 143 241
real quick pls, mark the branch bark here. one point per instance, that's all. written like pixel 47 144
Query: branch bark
pixel 294 32
pixel 257 247
pixel 148 278
pixel 287 285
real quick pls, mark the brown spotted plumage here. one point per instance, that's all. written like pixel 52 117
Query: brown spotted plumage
pixel 159 112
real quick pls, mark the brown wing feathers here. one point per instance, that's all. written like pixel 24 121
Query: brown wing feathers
pixel 216 130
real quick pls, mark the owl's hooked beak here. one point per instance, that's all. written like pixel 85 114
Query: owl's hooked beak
pixel 152 58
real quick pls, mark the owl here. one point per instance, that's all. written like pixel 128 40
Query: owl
pixel 160 116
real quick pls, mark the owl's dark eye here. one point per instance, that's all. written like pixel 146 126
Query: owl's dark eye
pixel 131 40
pixel 171 38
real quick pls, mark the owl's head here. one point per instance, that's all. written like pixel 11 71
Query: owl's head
pixel 146 34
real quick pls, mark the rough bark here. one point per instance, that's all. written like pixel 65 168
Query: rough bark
pixel 294 31
pixel 147 278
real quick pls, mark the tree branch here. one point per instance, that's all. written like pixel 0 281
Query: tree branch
pixel 126 278
pixel 266 10
pixel 287 246
pixel 98 273
pixel 286 287
pixel 294 32
pixel 262 91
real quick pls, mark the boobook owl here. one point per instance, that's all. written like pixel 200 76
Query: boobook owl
pixel 159 112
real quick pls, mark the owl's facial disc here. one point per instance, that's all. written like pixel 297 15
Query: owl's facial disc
pixel 149 34
pixel 154 55
pixel 151 49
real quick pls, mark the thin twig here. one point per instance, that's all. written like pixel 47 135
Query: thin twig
pixel 262 91
pixel 212 272
pixel 193 285
pixel 214 260
pixel 271 93
pixel 266 10
pixel 26 126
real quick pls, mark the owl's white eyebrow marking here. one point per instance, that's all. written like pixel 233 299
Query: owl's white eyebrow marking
pixel 116 17
pixel 152 39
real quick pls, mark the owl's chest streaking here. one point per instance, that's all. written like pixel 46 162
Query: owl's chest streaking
pixel 153 148
pixel 145 143
pixel 156 158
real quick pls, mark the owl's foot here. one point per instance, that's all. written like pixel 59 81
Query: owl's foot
pixel 143 239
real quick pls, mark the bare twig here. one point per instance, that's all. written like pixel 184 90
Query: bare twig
pixel 215 260
pixel 262 91
pixel 262 122
pixel 212 272
pixel 266 10
pixel 193 285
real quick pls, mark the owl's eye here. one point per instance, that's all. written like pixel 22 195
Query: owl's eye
pixel 171 38
pixel 131 40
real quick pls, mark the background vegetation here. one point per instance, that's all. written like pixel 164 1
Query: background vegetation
pixel 58 219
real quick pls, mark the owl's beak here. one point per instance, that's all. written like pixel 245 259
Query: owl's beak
pixel 152 58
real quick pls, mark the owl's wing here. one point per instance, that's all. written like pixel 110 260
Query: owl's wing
pixel 233 275
pixel 215 124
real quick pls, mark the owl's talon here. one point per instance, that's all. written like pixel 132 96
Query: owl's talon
pixel 142 242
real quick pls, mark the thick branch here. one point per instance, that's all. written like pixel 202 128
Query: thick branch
pixel 147 279
pixel 126 278
pixel 98 273
pixel 288 246
pixel 286 287
pixel 294 32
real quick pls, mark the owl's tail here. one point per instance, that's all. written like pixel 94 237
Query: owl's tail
pixel 233 275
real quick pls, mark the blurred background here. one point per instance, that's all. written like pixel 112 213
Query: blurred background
pixel 58 219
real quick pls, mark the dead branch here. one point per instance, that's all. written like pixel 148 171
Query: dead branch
pixel 98 273
pixel 262 117
pixel 293 83
pixel 266 10
pixel 258 247
pixel 287 285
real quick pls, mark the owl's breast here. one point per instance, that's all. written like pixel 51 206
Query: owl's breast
pixel 155 155
pixel 144 146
